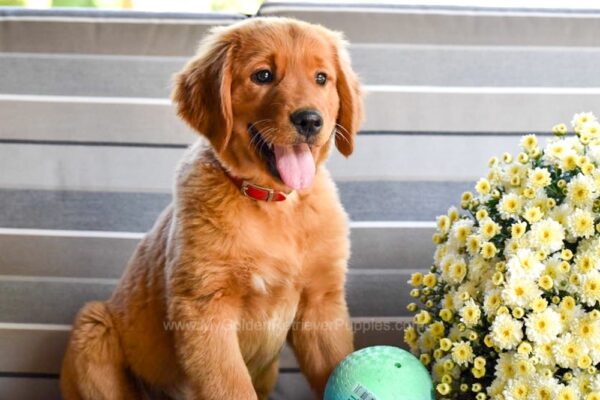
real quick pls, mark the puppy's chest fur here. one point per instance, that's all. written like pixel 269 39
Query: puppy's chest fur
pixel 275 251
pixel 282 251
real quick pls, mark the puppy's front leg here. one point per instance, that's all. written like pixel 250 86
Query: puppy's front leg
pixel 207 345
pixel 322 334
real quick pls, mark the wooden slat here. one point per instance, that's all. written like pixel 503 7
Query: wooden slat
pixel 391 245
pixel 136 212
pixel 476 109
pixel 23 388
pixel 84 119
pixel 32 348
pixel 49 300
pixel 88 75
pixel 475 65
pixel 447 25
pixel 85 254
pixel 126 36
pixel 290 386
pixel 388 108
pixel 65 253
pixel 39 348
pixel 136 169
pixel 420 65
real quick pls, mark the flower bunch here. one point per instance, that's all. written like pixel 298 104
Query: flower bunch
pixel 511 306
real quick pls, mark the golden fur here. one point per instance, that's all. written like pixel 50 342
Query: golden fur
pixel 215 288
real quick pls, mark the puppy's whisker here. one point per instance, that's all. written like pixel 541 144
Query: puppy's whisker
pixel 344 130
pixel 254 125
pixel 342 137
pixel 262 124
pixel 339 134
pixel 267 133
pixel 254 140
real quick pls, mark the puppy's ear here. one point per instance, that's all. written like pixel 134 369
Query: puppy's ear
pixel 202 91
pixel 350 114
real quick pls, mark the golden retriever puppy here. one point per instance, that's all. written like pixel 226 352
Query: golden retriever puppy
pixel 253 248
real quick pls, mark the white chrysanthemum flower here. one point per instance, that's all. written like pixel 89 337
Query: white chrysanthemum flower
pixel 455 334
pixel 510 206
pixel 517 389
pixel 525 263
pixel 474 244
pixel 507 332
pixel 555 268
pixel 567 350
pixel 524 365
pixel 462 353
pixel 512 246
pixel 547 235
pixel 590 130
pixel 446 261
pixel 457 271
pixel 505 366
pixel 561 214
pixel 582 380
pixel 427 341
pixel 544 326
pixel 496 388
pixel 529 142
pixel 470 313
pixel 568 316
pixel 544 388
pixel 590 288
pixel 590 247
pixel 582 118
pixel 581 191
pixel 478 268
pixel 586 261
pixel 459 232
pixel 483 186
pixel 520 291
pixel 492 301
pixel 556 150
pixel 539 178
pixel 570 392
pixel 443 224
pixel 440 252
pixel 544 353
pixel 581 223
pixel 488 228
pixel 588 330
pixel 438 370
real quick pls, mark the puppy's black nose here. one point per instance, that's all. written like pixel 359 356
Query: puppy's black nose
pixel 307 122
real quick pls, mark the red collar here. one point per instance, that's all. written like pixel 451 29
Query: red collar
pixel 257 192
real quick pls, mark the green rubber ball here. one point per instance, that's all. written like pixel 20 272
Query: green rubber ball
pixel 380 373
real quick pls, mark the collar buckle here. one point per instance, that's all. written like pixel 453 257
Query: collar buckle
pixel 246 185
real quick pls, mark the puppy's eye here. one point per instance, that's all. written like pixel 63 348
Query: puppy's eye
pixel 321 78
pixel 263 76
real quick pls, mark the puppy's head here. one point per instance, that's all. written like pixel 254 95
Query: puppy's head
pixel 271 94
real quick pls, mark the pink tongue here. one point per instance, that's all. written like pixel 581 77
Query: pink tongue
pixel 295 165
